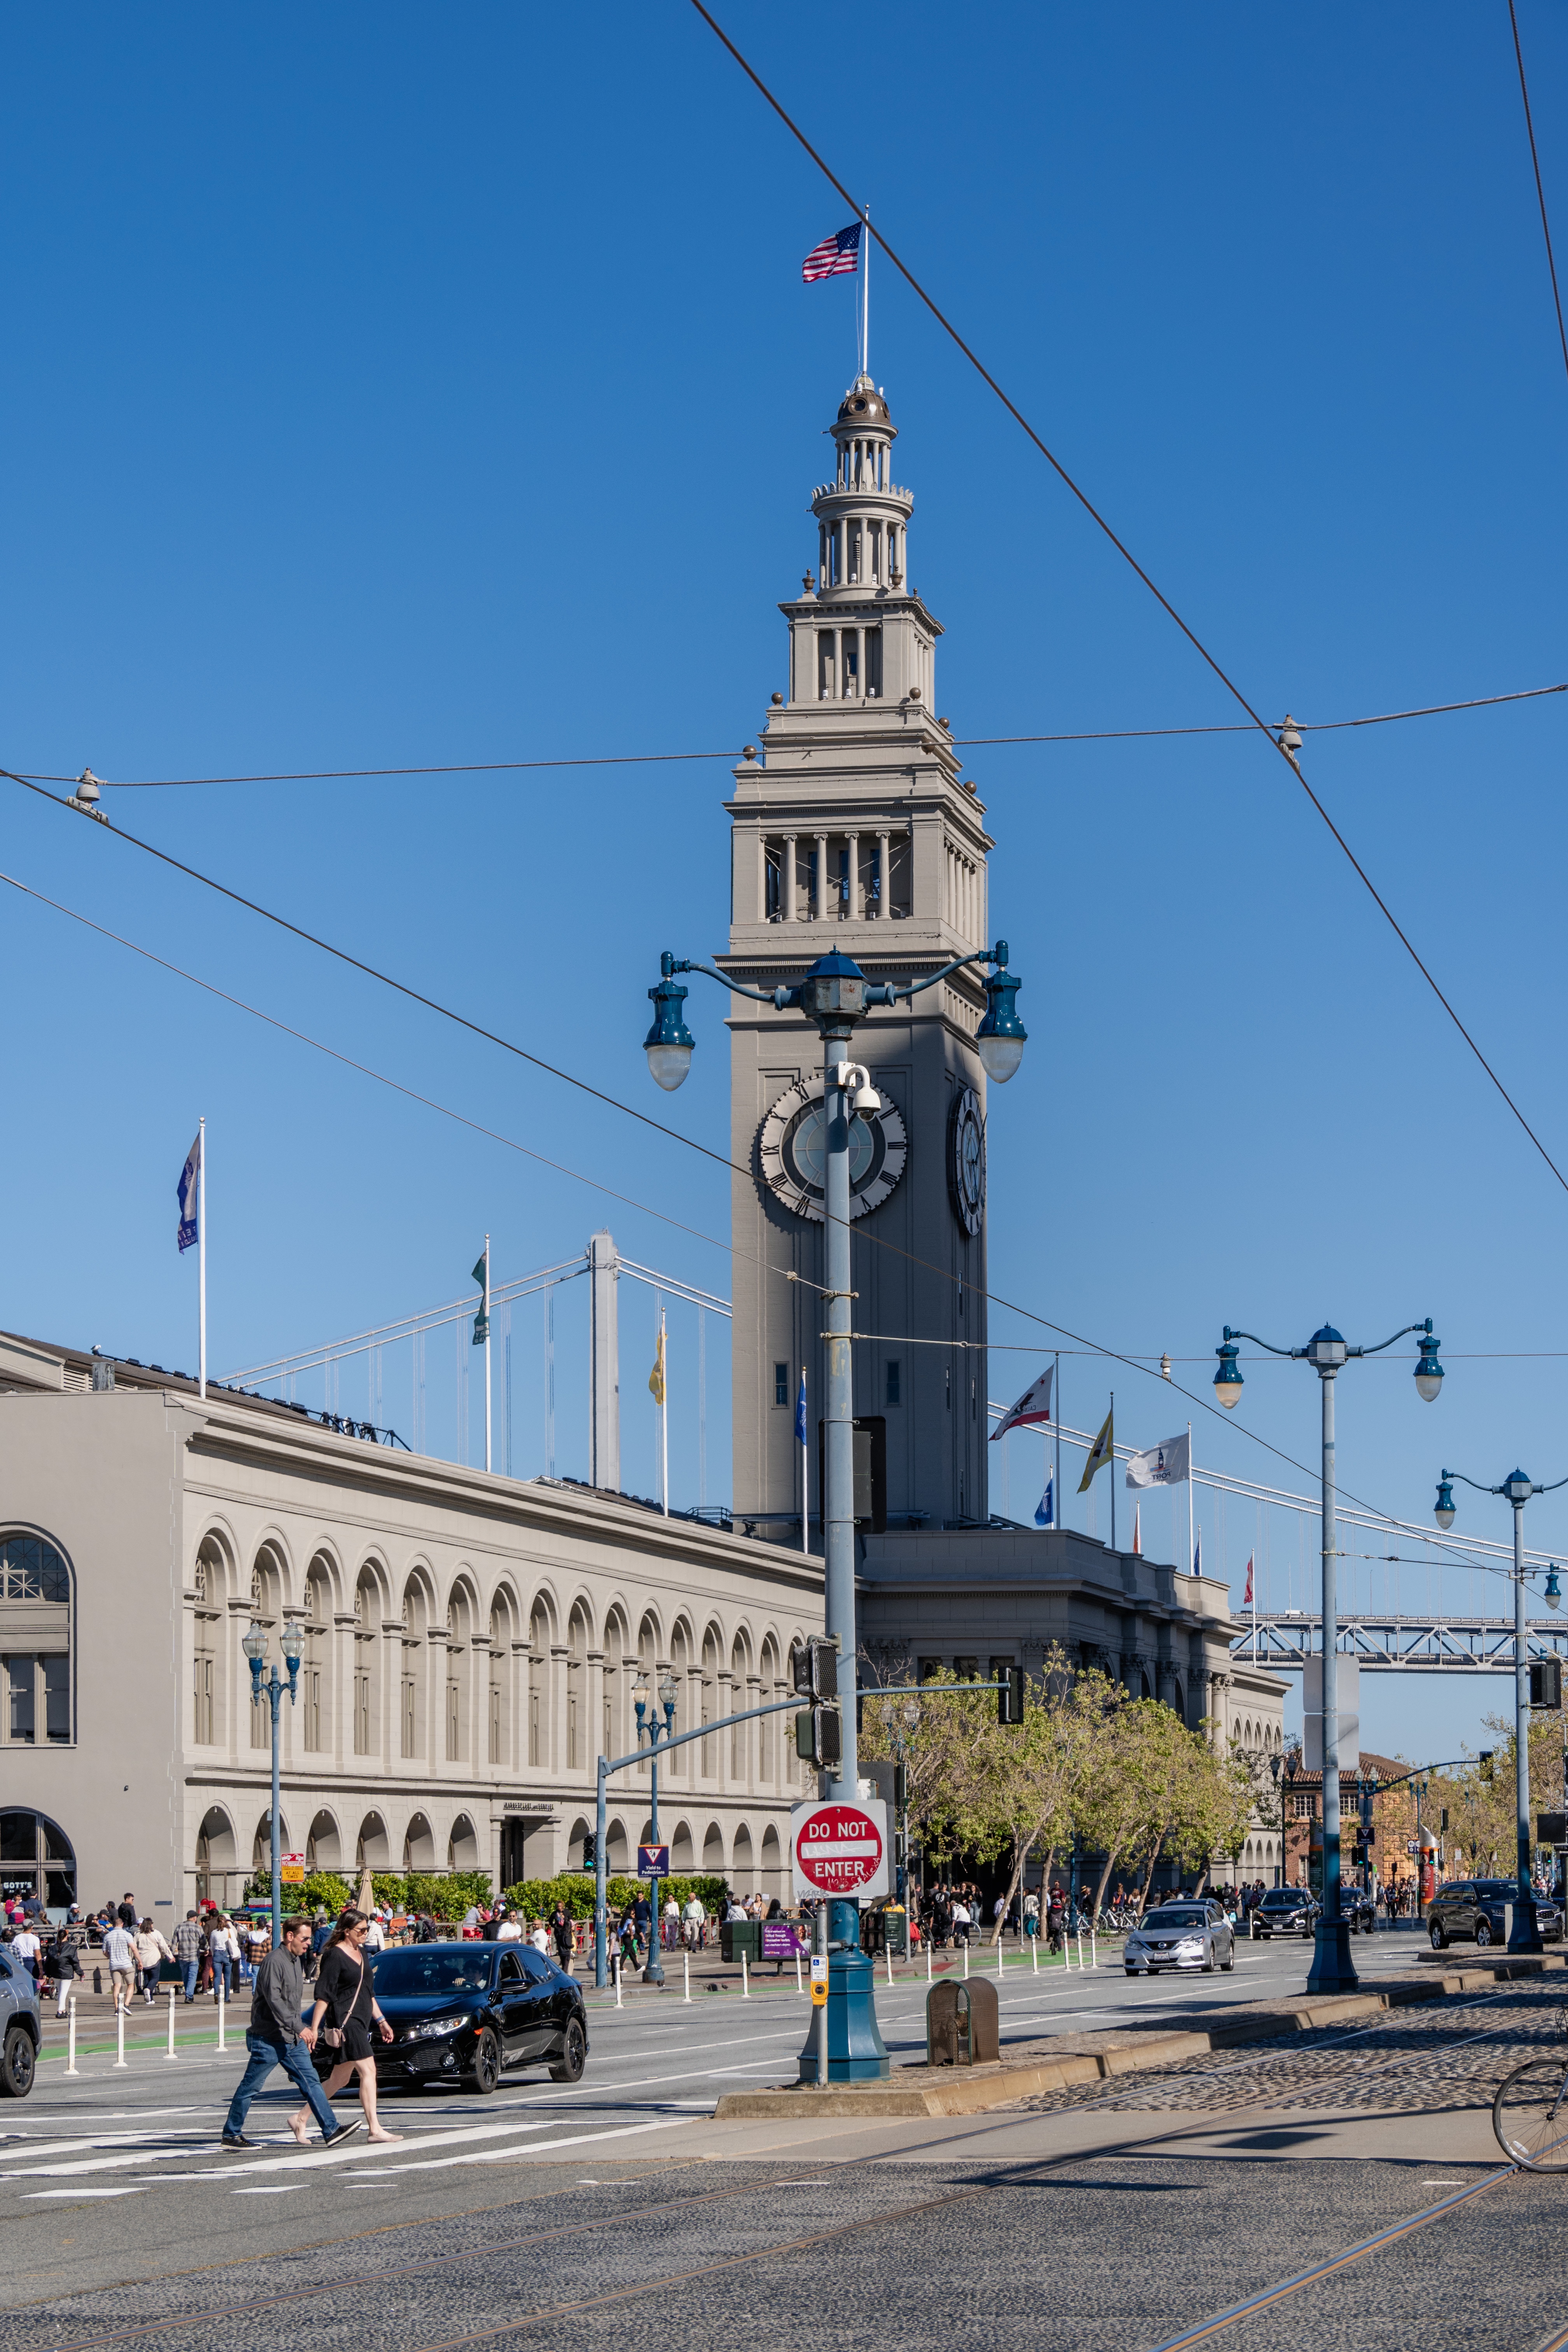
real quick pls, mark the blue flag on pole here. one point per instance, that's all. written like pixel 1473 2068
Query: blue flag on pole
pixel 1046 1509
pixel 800 1411
pixel 1198 1554
pixel 190 1176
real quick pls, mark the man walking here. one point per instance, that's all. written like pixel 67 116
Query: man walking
pixel 275 2038
pixel 188 1951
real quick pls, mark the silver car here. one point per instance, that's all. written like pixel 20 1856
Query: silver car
pixel 21 2027
pixel 1180 1936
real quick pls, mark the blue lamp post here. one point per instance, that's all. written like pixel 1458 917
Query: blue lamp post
pixel 1525 1933
pixel 836 995
pixel 668 1692
pixel 1332 1969
pixel 255 1648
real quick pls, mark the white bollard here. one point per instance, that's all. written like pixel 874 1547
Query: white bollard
pixel 887 1951
pixel 1035 1956
pixel 222 2005
pixel 71 2066
pixel 745 1982
pixel 617 1979
pixel 120 2022
pixel 798 1986
pixel 1080 1948
pixel 170 2051
pixel 685 1970
pixel 998 1954
pixel 1093 1956
pixel 966 1958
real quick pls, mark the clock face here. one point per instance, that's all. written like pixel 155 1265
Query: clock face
pixel 966 1159
pixel 793 1148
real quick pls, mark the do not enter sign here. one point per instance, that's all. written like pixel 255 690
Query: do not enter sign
pixel 841 1849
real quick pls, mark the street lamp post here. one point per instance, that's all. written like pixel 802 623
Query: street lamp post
pixel 1332 1968
pixel 836 995
pixel 1524 1935
pixel 668 1691
pixel 255 1648
pixel 1279 1799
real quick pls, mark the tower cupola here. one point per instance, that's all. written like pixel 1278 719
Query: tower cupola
pixel 861 515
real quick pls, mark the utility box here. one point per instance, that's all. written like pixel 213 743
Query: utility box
pixel 741 1939
pixel 962 2023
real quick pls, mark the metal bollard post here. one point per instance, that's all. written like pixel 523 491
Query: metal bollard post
pixel 929 1948
pixel 222 2005
pixel 1093 1956
pixel 170 2051
pixel 888 1952
pixel 999 1955
pixel 1080 1948
pixel 618 1980
pixel 745 1982
pixel 1034 1956
pixel 686 1970
pixel 798 1986
pixel 966 1960
pixel 120 2022
pixel 71 2066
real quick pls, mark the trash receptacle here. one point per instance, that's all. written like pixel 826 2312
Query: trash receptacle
pixel 740 1938
pixel 962 2023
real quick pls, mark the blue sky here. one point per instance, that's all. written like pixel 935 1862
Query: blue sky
pixel 396 386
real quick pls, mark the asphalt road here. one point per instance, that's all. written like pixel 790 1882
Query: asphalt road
pixel 1119 2216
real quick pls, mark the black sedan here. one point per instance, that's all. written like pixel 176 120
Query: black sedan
pixel 460 2012
pixel 1284 1911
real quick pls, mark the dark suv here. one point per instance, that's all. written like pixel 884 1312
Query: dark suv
pixel 1471 1909
pixel 21 2028
pixel 1284 1911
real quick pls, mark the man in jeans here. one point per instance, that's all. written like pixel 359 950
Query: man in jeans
pixel 188 1951
pixel 120 1951
pixel 277 2038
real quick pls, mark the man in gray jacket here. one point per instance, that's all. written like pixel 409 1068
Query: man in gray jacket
pixel 277 2038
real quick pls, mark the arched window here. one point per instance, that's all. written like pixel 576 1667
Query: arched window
pixel 315 1666
pixel 367 1619
pixel 209 1583
pixel 35 1644
pixel 35 1858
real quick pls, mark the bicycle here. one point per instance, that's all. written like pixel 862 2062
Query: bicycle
pixel 1530 2113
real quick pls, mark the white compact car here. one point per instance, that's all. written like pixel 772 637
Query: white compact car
pixel 1180 1936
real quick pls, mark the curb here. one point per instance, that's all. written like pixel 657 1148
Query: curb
pixel 996 2085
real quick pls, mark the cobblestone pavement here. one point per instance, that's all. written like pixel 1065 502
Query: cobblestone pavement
pixel 1450 2055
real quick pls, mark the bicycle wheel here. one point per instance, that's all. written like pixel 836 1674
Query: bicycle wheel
pixel 1530 2115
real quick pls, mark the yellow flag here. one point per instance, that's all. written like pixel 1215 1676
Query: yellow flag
pixel 1102 1450
pixel 656 1378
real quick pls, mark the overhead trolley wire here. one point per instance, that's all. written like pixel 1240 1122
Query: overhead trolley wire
pixel 656 759
pixel 1540 189
pixel 1211 660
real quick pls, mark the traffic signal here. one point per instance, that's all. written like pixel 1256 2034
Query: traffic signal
pixel 590 1850
pixel 1442 1824
pixel 816 1669
pixel 1546 1682
pixel 1485 1760
pixel 819 1737
pixel 900 1787
pixel 1010 1695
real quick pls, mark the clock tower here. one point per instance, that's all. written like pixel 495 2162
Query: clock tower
pixel 852 830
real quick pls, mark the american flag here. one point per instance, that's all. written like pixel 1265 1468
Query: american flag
pixel 835 257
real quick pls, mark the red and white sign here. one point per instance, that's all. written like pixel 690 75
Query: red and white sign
pixel 841 1849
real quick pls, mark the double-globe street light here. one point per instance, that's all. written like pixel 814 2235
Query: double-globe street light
pixel 1332 1968
pixel 291 1642
pixel 648 1721
pixel 836 995
pixel 1524 1934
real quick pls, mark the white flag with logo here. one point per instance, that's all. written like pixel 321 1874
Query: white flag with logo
pixel 1163 1465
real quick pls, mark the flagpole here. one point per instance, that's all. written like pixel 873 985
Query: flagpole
pixel 202 1256
pixel 663 1419
pixel 804 1477
pixel 1190 1482
pixel 1111 1433
pixel 487 1355
pixel 866 296
pixel 1056 1488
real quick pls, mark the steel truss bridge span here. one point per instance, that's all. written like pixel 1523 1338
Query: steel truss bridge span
pixel 1385 1643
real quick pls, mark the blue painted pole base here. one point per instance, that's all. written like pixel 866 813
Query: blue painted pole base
pixel 1524 1933
pixel 856 2051
pixel 1332 1968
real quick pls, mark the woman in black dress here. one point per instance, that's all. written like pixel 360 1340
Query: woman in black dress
pixel 347 2019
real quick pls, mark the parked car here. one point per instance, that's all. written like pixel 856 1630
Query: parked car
pixel 1285 1911
pixel 1471 1910
pixel 459 2013
pixel 1180 1936
pixel 21 2028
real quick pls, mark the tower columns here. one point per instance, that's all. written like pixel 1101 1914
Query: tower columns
pixel 884 875
pixel 788 908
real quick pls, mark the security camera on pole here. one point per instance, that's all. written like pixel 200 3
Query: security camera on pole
pixel 1332 1968
pixel 836 995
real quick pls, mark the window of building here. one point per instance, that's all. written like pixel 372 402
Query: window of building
pixel 452 1720
pixel 202 1726
pixel 534 1727
pixel 894 1393
pixel 929 1670
pixel 361 1711
pixel 781 1384
pixel 967 1669
pixel 35 1858
pixel 874 663
pixel 35 1642
pixel 408 1716
pixel 1302 1808
pixel 495 1724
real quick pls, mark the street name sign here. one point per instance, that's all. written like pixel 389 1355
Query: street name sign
pixel 841 1849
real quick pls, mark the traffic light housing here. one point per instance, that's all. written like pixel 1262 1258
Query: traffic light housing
pixel 1485 1760
pixel 815 1668
pixel 1010 1695
pixel 819 1737
pixel 1546 1682
pixel 590 1850
pixel 900 1787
